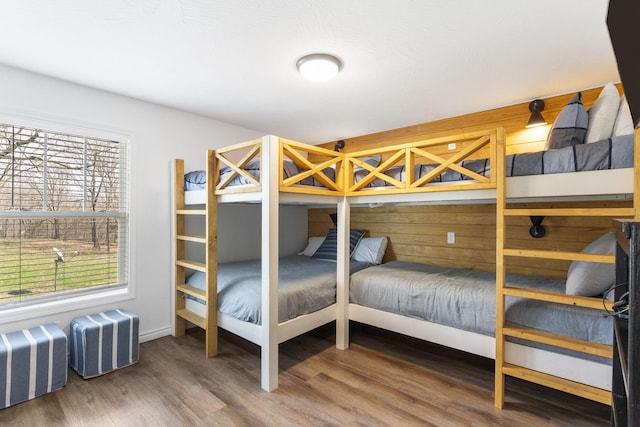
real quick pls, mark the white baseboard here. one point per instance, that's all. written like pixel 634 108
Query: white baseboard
pixel 154 335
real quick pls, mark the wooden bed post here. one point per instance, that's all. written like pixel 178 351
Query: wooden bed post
pixel 270 250
pixel 342 283
pixel 501 201
pixel 211 233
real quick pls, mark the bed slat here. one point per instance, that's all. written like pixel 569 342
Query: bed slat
pixel 588 392
pixel 579 301
pixel 196 239
pixel 190 316
pixel 194 265
pixel 602 350
pixel 190 290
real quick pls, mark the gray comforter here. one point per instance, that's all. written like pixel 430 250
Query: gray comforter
pixel 305 285
pixel 465 299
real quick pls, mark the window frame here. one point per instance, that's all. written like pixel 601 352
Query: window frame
pixel 106 296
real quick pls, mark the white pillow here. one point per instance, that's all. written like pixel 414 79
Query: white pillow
pixel 624 122
pixel 602 115
pixel 593 278
pixel 371 250
pixel 313 245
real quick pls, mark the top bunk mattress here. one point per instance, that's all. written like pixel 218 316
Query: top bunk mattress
pixel 610 153
pixel 607 154
pixel 197 180
pixel 466 299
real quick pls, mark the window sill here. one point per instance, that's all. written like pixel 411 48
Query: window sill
pixel 49 308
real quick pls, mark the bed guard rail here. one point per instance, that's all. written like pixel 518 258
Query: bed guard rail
pixel 441 154
pixel 239 168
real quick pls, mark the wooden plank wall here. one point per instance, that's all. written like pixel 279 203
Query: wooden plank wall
pixel 419 233
pixel 513 118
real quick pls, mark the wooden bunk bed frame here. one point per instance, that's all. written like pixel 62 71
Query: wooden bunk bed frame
pixel 503 254
pixel 511 359
pixel 582 377
pixel 271 189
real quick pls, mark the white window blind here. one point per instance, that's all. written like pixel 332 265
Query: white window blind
pixel 63 215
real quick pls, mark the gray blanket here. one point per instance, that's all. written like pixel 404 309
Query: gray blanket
pixel 466 299
pixel 305 285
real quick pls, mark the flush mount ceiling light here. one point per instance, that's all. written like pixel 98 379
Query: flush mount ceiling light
pixel 319 67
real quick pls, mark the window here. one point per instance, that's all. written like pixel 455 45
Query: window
pixel 63 215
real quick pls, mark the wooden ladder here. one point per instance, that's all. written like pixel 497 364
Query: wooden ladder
pixel 209 295
pixel 502 291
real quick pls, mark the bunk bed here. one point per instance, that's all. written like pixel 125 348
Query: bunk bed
pixel 347 179
pixel 271 171
pixel 548 358
pixel 268 171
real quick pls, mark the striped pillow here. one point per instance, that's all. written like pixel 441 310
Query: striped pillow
pixel 570 128
pixel 329 248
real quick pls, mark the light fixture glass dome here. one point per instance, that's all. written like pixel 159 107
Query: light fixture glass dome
pixel 319 67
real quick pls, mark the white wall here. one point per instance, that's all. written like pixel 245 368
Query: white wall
pixel 159 135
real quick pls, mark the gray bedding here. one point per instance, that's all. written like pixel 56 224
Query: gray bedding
pixel 305 285
pixel 465 299
pixel 196 180
pixel 611 153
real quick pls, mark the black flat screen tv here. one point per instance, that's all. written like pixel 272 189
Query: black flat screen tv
pixel 623 22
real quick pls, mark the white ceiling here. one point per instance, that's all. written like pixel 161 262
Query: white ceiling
pixel 405 61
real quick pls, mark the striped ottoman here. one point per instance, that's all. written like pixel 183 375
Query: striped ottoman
pixel 103 342
pixel 33 362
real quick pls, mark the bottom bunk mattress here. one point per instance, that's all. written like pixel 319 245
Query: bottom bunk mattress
pixel 466 299
pixel 305 285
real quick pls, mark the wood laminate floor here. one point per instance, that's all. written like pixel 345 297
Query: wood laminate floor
pixel 384 379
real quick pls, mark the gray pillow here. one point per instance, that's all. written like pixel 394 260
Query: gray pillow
pixel 570 127
pixel 328 250
pixel 593 278
pixel 371 160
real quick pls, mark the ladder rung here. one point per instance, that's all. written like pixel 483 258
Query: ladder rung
pixel 194 265
pixel 192 317
pixel 567 256
pixel 197 239
pixel 190 290
pixel 191 212
pixel 582 346
pixel 582 390
pixel 559 298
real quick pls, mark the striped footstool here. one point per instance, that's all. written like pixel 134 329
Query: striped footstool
pixel 103 342
pixel 33 362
